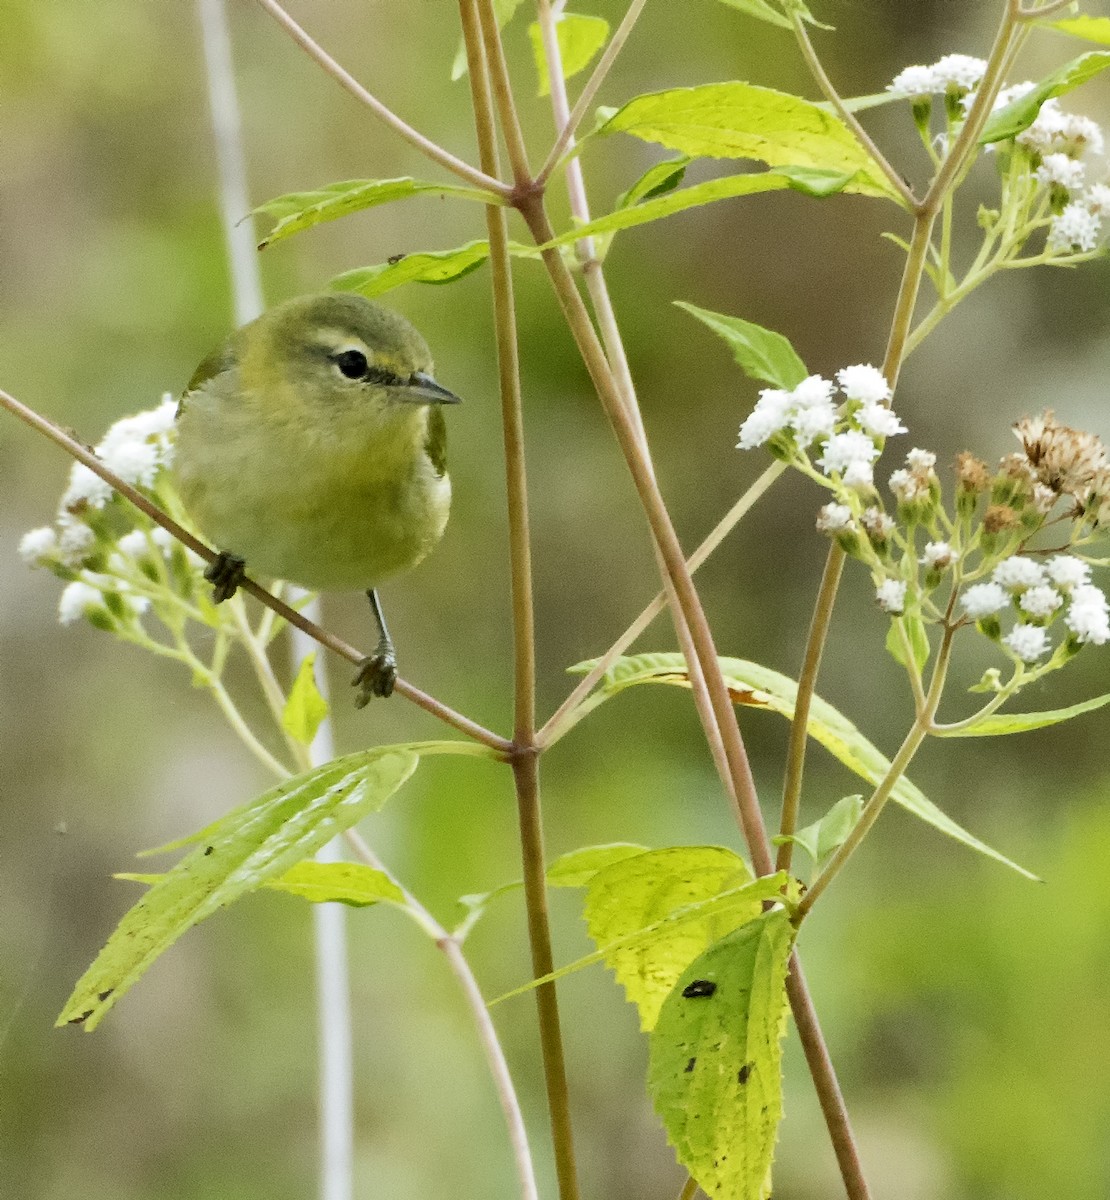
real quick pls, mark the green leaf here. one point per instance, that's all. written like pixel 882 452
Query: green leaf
pixel 504 10
pixel 761 10
pixel 777 887
pixel 918 640
pixel 821 839
pixel 306 708
pixel 426 266
pixel 302 210
pixel 742 120
pixel 655 181
pixel 580 38
pixel 1008 122
pixel 1091 29
pixel 577 867
pixel 1003 723
pixel 476 904
pixel 338 882
pixel 640 891
pixel 242 852
pixel 807 180
pixel 715 1074
pixel 761 353
pixel 760 687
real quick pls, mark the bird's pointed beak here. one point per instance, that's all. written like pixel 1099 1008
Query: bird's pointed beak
pixel 423 389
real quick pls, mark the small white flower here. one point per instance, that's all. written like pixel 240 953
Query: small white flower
pixel 1040 601
pixel 38 545
pixel 1066 571
pixel 877 523
pixel 134 544
pixel 914 83
pixel 958 72
pixel 162 538
pixel 1076 228
pixel 863 382
pixel 813 390
pixel 1017 573
pixel 85 488
pixel 845 448
pixel 832 518
pixel 982 599
pixel 133 462
pixel 1028 642
pixel 813 422
pixel 1087 596
pixel 891 596
pixel 1097 200
pixel 1046 131
pixel 937 556
pixel 879 421
pixel 1016 91
pixel 1088 616
pixel 1081 135
pixel 150 425
pixel 921 460
pixel 858 474
pixel 766 419
pixel 76 599
pixel 74 542
pixel 1062 171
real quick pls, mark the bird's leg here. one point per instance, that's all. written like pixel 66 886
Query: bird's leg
pixel 378 672
pixel 226 572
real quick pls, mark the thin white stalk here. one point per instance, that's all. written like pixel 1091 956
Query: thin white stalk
pixel 336 1084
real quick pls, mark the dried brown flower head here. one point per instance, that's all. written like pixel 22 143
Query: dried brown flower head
pixel 1064 459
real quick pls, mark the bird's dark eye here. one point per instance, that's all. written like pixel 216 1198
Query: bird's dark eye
pixel 352 363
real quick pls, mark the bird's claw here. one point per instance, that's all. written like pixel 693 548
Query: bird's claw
pixel 376 676
pixel 226 572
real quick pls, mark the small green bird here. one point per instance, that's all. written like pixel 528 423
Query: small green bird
pixel 312 447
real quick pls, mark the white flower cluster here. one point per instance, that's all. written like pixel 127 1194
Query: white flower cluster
pixel 1040 591
pixel 850 434
pixel 953 73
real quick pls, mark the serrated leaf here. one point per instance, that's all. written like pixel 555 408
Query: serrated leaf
pixel 761 353
pixel 243 851
pixel 338 883
pixel 1008 122
pixel 760 687
pixel 999 724
pixel 580 38
pixel 1091 29
pixel 504 10
pixel 807 180
pixel 778 887
pixel 577 867
pixel 302 210
pixel 824 837
pixel 657 180
pixel 715 1074
pixel 742 120
pixel 640 891
pixel 305 709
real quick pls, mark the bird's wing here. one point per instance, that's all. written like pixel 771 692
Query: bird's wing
pixel 223 358
pixel 435 446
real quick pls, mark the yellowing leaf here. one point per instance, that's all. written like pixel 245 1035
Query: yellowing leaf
pixel 577 867
pixel 642 890
pixel 742 120
pixel 337 882
pixel 1091 29
pixel 580 38
pixel 305 708
pixel 716 1059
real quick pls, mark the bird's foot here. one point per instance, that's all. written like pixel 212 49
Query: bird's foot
pixel 226 572
pixel 376 676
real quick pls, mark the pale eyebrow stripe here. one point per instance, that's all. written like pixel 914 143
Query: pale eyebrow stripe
pixel 340 339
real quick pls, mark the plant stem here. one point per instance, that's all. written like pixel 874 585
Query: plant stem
pixel 849 118
pixel 689 1189
pixel 585 99
pixel 326 639
pixel 501 88
pixel 487 1033
pixel 565 717
pixel 807 684
pixel 425 145
pixel 487 74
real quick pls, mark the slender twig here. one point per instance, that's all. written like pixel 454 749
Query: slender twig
pixel 689 1189
pixel 501 89
pixel 1034 14
pixel 849 118
pixel 564 716
pixel 807 684
pixel 486 77
pixel 597 78
pixel 487 1033
pixel 386 115
pixel 337 645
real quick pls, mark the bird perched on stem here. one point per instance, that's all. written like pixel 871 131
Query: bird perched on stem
pixel 311 447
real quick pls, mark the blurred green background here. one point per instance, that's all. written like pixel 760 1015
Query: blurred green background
pixel 966 1008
